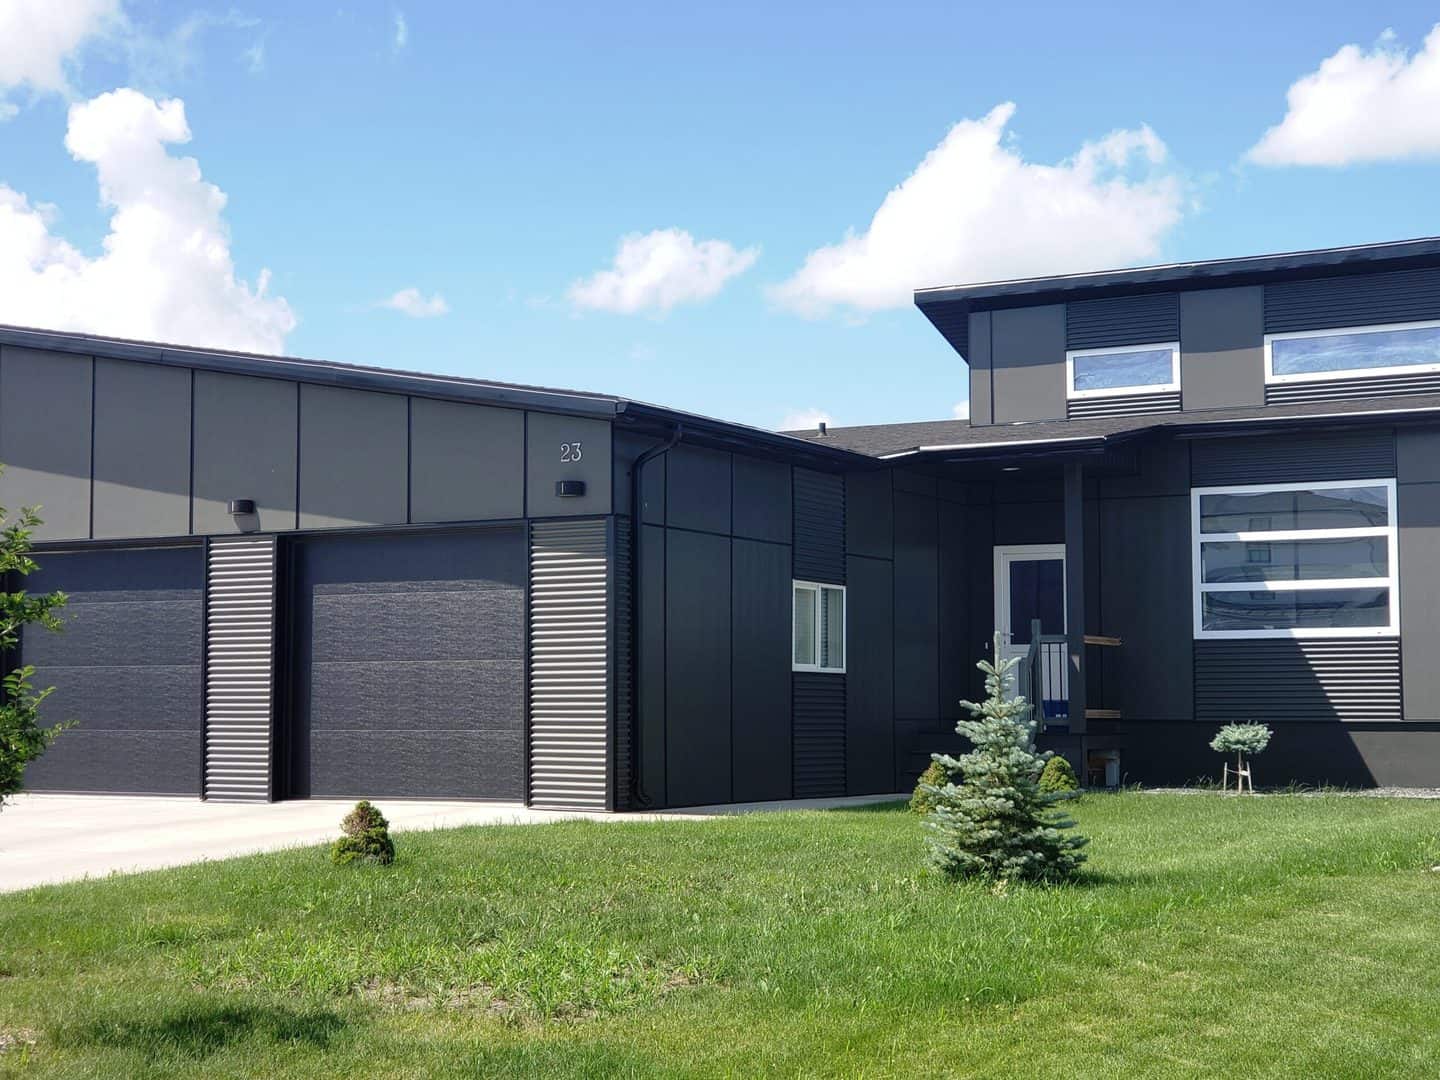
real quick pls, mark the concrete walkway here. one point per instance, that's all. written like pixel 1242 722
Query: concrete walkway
pixel 51 838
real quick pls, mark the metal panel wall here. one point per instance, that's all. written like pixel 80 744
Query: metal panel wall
pixel 246 447
pixel 45 410
pixel 870 678
pixel 698 715
pixel 1222 361
pixel 760 695
pixel 1352 300
pixel 467 462
pixel 569 672
pixel 239 667
pixel 819 526
pixel 1364 387
pixel 1027 356
pixel 623 667
pixel 142 450
pixel 819 735
pixel 1122 320
pixel 1285 459
pixel 1324 679
pixel 1129 405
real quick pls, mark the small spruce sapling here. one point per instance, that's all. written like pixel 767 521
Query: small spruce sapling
pixel 366 839
pixel 993 820
pixel 1241 739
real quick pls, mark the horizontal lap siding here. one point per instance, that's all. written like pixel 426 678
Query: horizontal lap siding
pixel 1284 680
pixel 819 528
pixel 1131 405
pixel 1340 389
pixel 819 719
pixel 1125 320
pixel 1298 459
pixel 1352 300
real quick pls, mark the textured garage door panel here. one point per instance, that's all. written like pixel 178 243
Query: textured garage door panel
pixel 409 666
pixel 126 670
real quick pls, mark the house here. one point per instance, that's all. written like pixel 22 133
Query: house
pixel 1186 495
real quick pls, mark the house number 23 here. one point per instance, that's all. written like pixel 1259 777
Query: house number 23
pixel 569 451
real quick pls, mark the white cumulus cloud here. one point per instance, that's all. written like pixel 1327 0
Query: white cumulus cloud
pixel 1360 105
pixel 39 37
pixel 657 270
pixel 961 410
pixel 976 210
pixel 402 31
pixel 418 306
pixel 164 270
pixel 804 420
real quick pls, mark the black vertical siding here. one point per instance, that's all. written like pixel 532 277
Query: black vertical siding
pixel 760 670
pixel 1284 459
pixel 697 684
pixel 622 678
pixel 819 734
pixel 1287 680
pixel 819 526
pixel 870 678
pixel 1122 320
pixel 653 667
pixel 1353 300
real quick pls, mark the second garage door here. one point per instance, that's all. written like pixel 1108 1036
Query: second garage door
pixel 408 666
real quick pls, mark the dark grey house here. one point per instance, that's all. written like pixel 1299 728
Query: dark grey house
pixel 1186 495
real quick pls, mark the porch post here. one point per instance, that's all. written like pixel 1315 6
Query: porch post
pixel 1075 590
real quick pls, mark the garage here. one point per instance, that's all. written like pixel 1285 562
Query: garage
pixel 407 656
pixel 126 671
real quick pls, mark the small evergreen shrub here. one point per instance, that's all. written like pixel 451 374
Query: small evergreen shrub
pixel 934 777
pixel 1241 739
pixel 1058 777
pixel 366 839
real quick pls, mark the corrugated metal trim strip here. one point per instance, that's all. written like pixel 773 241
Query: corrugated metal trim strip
pixel 1340 389
pixel 1330 679
pixel 239 667
pixel 569 665
pixel 1130 405
pixel 1352 300
pixel 1122 320
pixel 624 667
pixel 819 734
pixel 1281 459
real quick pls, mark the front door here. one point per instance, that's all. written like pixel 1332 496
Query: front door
pixel 1029 585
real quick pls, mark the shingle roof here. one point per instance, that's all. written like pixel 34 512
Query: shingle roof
pixel 958 438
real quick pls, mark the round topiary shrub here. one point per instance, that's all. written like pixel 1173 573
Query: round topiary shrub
pixel 1058 777
pixel 366 839
pixel 923 799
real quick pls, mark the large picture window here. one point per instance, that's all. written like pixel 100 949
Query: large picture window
pixel 1296 560
pixel 818 643
pixel 1114 372
pixel 1352 352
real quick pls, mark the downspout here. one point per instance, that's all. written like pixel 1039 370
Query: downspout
pixel 637 524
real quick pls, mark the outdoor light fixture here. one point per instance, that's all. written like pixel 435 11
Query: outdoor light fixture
pixel 569 489
pixel 240 507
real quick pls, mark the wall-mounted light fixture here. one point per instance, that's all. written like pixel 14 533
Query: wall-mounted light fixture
pixel 569 489
pixel 239 507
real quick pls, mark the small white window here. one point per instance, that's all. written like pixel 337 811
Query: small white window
pixel 1353 352
pixel 1119 371
pixel 819 637
pixel 1296 560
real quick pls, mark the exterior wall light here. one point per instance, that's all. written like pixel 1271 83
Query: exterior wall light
pixel 239 507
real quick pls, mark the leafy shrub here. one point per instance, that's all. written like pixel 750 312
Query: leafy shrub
pixel 934 776
pixel 366 839
pixel 1241 739
pixel 1058 777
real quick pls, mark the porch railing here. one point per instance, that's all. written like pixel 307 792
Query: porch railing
pixel 1043 677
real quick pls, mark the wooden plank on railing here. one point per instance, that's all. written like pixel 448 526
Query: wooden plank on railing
pixel 1102 714
pixel 1102 639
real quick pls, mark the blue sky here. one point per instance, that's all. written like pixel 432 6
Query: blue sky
pixel 494 156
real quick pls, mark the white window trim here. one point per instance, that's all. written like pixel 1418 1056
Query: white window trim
pixel 1345 373
pixel 816 587
pixel 1391 582
pixel 1123 391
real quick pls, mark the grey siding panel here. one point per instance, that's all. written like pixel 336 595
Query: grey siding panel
pixel 1326 679
pixel 1027 349
pixel 1353 300
pixel 239 667
pixel 1145 601
pixel 1282 459
pixel 142 450
pixel 126 670
pixel 1130 405
pixel 697 691
pixel 819 526
pixel 917 591
pixel 760 670
pixel 870 678
pixel 546 435
pixel 869 514
pixel 761 499
pixel 954 609
pixel 981 390
pixel 45 401
pixel 246 447
pixel 570 604
pixel 1341 389
pixel 352 457
pixel 409 665
pixel 697 494
pixel 467 462
pixel 820 763
pixel 653 673
pixel 1222 347
pixel 1123 320
pixel 1419 513
pixel 1417 451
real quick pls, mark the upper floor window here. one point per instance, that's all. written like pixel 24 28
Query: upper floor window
pixel 1356 351
pixel 818 642
pixel 1296 560
pixel 1133 369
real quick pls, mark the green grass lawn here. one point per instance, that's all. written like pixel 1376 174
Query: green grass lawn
pixel 1279 936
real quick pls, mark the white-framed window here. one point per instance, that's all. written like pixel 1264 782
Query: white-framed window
pixel 1122 370
pixel 818 640
pixel 1352 352
pixel 1296 560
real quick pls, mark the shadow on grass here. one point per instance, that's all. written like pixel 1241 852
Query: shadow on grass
pixel 201 1030
pixel 894 806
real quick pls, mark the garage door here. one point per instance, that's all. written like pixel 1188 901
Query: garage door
pixel 126 670
pixel 408 666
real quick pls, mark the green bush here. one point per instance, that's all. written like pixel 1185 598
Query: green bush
pixel 923 799
pixel 366 839
pixel 1241 739
pixel 1058 778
